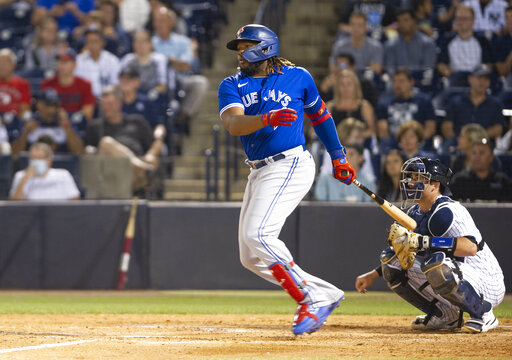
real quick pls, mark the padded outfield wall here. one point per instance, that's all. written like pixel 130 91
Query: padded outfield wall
pixel 194 245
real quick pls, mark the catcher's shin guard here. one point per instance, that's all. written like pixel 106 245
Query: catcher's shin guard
pixel 281 274
pixel 459 292
pixel 398 282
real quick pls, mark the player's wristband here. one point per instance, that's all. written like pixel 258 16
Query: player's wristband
pixel 378 269
pixel 437 243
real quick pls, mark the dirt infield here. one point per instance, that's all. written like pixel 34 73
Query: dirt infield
pixel 236 337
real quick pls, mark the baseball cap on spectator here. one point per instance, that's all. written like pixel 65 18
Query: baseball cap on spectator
pixel 481 70
pixel 49 97
pixel 67 54
pixel 130 71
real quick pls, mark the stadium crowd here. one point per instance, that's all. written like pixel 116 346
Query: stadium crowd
pixel 423 78
pixel 118 78
pixel 123 78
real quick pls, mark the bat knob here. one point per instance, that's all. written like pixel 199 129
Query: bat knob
pixel 344 173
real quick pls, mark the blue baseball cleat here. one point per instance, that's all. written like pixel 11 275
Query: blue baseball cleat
pixel 324 313
pixel 304 320
pixel 309 321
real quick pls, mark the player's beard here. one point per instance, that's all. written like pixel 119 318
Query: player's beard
pixel 251 69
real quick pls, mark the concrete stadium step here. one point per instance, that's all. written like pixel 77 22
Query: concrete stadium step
pixel 199 185
pixel 194 196
pixel 199 172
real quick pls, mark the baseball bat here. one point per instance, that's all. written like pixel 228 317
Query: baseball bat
pixel 396 213
pixel 129 232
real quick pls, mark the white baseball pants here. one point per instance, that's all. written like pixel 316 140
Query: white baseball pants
pixel 271 195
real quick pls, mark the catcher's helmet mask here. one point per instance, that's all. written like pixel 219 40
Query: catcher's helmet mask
pixel 267 42
pixel 418 172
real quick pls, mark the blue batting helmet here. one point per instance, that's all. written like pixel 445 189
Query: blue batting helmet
pixel 268 42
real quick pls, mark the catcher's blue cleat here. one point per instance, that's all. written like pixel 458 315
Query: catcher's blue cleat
pixel 309 321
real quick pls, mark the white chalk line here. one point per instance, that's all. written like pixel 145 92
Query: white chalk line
pixel 45 346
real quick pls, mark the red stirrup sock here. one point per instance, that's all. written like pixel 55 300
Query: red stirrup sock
pixel 284 278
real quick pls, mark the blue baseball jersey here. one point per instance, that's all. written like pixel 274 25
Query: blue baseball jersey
pixel 294 89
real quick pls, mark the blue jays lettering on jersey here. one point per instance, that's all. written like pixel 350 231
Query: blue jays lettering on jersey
pixel 294 89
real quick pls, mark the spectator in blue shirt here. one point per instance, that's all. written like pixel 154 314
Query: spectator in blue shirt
pixel 411 48
pixel 404 104
pixel 69 13
pixel 475 107
pixel 180 54
pixel 135 102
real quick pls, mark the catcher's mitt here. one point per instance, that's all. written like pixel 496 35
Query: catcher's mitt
pixel 405 244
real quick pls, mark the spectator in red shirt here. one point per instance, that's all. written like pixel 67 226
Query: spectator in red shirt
pixel 14 91
pixel 75 92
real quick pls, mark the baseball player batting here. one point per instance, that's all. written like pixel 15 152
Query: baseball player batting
pixel 444 267
pixel 264 105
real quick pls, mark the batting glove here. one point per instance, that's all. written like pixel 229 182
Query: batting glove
pixel 282 117
pixel 343 171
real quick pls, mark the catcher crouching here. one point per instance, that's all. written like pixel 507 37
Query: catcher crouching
pixel 444 268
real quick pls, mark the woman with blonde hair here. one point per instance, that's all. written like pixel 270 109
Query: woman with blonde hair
pixel 349 102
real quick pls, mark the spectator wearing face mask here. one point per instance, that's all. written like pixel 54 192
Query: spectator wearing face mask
pixel 39 181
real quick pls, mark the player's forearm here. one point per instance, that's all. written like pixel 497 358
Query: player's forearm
pixel 75 144
pixel 18 194
pixel 238 125
pixel 88 111
pixel 465 247
pixel 444 69
pixel 494 131
pixel 503 68
pixel 20 143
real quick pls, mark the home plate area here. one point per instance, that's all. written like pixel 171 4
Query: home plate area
pixel 193 336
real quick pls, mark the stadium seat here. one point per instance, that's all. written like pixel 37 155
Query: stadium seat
pixel 427 81
pixel 6 173
pixel 106 177
pixel 506 163
pixel 201 17
pixel 34 77
pixel 12 124
pixel 443 99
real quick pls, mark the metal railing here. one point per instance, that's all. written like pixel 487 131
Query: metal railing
pixel 232 159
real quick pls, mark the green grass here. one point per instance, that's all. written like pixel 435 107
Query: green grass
pixel 205 302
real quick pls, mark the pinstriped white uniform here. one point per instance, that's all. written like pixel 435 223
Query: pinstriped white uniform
pixel 482 270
